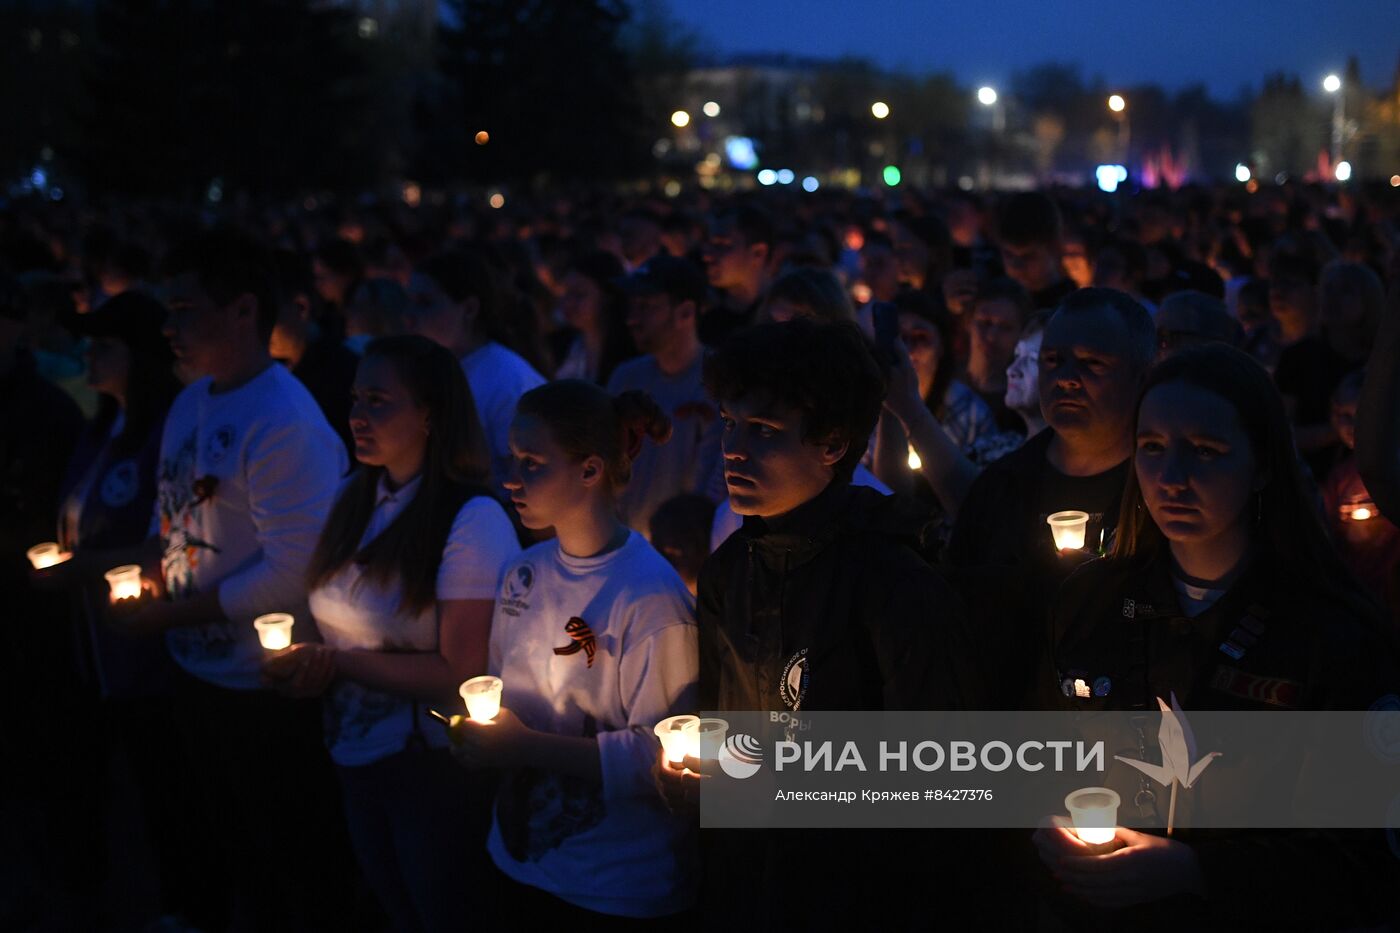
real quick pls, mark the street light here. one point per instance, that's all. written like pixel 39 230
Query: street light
pixel 987 97
pixel 880 109
pixel 1343 171
pixel 711 108
pixel 680 118
pixel 1119 107
pixel 1332 84
pixel 1242 173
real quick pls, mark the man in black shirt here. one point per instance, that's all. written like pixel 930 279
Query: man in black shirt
pixel 819 602
pixel 1096 349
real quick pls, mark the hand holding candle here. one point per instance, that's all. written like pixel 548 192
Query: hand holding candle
pixel 675 741
pixel 705 737
pixel 1068 529
pixel 43 556
pixel 1094 811
pixel 125 582
pixel 483 697
pixel 274 630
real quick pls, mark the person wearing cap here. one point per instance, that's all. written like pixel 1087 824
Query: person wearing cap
pixel 110 485
pixel 104 512
pixel 664 296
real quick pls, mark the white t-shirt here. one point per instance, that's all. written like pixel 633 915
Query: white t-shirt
pixel 687 463
pixel 245 482
pixel 498 377
pixel 631 662
pixel 363 724
pixel 727 521
pixel 575 363
pixel 1194 599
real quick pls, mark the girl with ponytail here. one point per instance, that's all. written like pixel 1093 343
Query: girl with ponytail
pixel 594 638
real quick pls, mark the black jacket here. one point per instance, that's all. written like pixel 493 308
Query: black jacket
pixel 1269 643
pixel 831 608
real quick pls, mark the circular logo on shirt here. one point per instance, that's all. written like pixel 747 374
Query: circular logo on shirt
pixel 219 443
pixel 120 484
pixel 796 675
pixel 519 581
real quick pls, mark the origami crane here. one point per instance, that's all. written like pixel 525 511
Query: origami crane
pixel 1178 750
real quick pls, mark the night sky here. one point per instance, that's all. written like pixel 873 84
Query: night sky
pixel 1225 44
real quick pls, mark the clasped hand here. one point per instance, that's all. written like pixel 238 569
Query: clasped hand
pixel 1138 869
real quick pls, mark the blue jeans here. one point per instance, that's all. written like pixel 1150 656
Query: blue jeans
pixel 418 824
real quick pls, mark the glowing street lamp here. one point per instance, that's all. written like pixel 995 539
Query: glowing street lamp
pixel 1119 107
pixel 1343 171
pixel 987 97
pixel 680 118
pixel 880 110
pixel 711 109
pixel 1332 84
pixel 1242 173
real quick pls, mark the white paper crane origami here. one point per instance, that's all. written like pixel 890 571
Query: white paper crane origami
pixel 1179 765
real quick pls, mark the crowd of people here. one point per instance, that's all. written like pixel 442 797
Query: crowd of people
pixel 645 456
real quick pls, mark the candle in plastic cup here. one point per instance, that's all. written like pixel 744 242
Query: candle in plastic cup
pixel 483 697
pixel 705 737
pixel 671 732
pixel 274 630
pixel 1094 811
pixel 125 582
pixel 1068 529
pixel 1357 513
pixel 46 555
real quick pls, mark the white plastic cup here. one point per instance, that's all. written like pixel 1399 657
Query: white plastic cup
pixel 674 741
pixel 482 696
pixel 1068 529
pixel 46 555
pixel 274 630
pixel 124 581
pixel 1094 812
pixel 705 737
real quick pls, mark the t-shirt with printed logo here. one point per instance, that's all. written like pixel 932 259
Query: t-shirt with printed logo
pixel 601 647
pixel 245 481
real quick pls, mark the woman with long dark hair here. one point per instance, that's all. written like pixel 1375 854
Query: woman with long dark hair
pixel 401 587
pixel 594 306
pixel 1223 592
